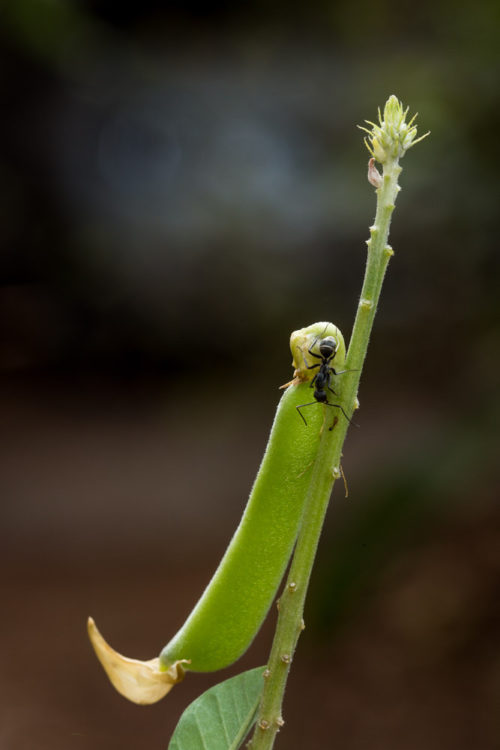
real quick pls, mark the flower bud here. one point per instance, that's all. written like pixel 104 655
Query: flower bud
pixel 393 136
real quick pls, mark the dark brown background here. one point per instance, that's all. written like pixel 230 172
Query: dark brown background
pixel 182 186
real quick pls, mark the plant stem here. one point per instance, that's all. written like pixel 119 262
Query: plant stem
pixel 326 470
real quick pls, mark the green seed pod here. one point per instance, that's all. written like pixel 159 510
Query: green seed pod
pixel 232 608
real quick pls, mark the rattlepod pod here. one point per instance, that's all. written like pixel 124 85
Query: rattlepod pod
pixel 233 606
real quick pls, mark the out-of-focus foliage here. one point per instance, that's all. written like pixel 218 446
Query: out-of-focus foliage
pixel 164 162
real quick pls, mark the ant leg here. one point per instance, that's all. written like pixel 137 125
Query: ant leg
pixel 319 336
pixel 300 407
pixel 310 367
pixel 318 356
pixel 338 406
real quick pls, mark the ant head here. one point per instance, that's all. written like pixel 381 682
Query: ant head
pixel 327 347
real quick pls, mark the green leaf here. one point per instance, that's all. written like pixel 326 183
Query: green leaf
pixel 221 717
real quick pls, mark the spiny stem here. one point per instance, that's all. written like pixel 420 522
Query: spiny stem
pixel 326 467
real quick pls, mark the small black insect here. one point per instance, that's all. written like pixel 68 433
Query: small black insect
pixel 323 378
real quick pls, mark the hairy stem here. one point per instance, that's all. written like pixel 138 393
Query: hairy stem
pixel 326 469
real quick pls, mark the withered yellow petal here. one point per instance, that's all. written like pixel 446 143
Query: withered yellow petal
pixel 141 682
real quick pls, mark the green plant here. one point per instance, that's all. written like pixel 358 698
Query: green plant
pixel 286 506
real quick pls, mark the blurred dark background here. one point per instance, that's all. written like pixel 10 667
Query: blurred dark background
pixel 182 185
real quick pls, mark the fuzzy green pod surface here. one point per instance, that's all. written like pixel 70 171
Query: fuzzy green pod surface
pixel 232 608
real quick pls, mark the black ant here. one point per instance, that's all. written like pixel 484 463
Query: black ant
pixel 323 378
